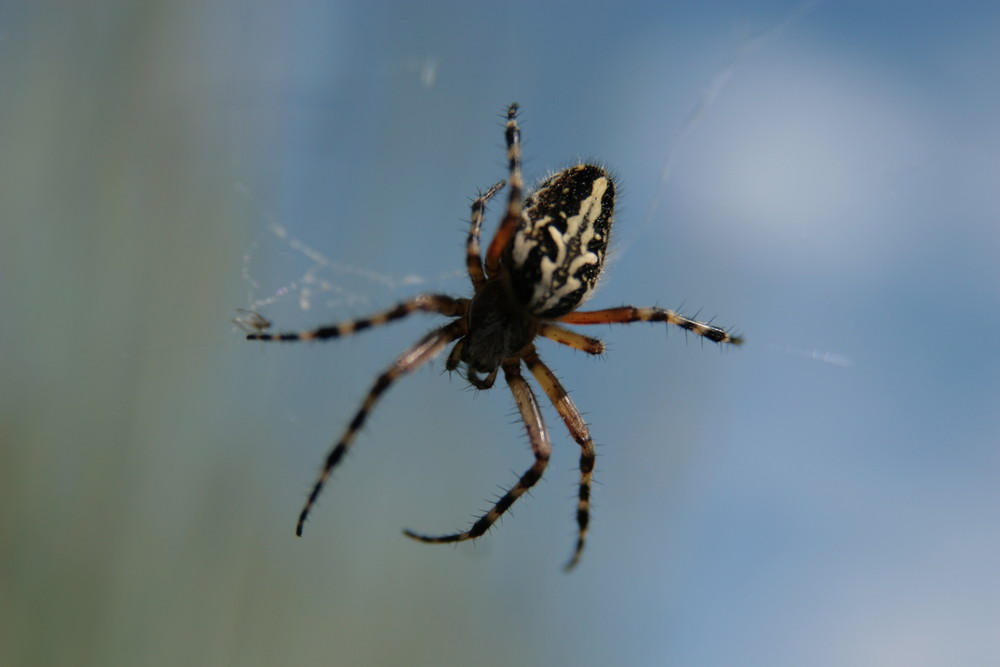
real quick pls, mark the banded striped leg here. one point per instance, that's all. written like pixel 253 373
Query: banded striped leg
pixel 426 349
pixel 472 259
pixel 527 405
pixel 578 429
pixel 570 338
pixel 626 314
pixel 512 217
pixel 431 303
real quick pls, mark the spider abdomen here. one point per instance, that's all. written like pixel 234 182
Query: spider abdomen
pixel 555 257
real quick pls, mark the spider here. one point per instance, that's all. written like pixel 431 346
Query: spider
pixel 543 262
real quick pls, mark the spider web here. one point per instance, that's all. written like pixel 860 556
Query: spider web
pixel 309 279
pixel 746 47
pixel 711 95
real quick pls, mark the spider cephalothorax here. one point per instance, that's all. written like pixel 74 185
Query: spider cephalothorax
pixel 544 261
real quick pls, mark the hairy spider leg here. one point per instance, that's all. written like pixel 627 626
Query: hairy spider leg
pixel 570 338
pixel 472 259
pixel 512 217
pixel 538 435
pixel 455 356
pixel 578 429
pixel 627 314
pixel 431 303
pixel 416 356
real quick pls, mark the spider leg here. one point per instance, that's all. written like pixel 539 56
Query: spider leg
pixel 416 356
pixel 431 303
pixel 627 314
pixel 472 259
pixel 570 338
pixel 578 429
pixel 455 356
pixel 531 414
pixel 512 217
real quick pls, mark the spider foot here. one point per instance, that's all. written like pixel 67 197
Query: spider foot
pixel 575 558
pixel 438 539
pixel 478 529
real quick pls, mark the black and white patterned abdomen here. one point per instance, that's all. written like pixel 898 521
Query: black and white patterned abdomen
pixel 556 256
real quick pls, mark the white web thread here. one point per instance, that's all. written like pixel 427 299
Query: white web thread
pixel 317 280
pixel 708 99
pixel 832 358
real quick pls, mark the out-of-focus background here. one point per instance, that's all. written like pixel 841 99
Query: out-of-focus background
pixel 821 177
